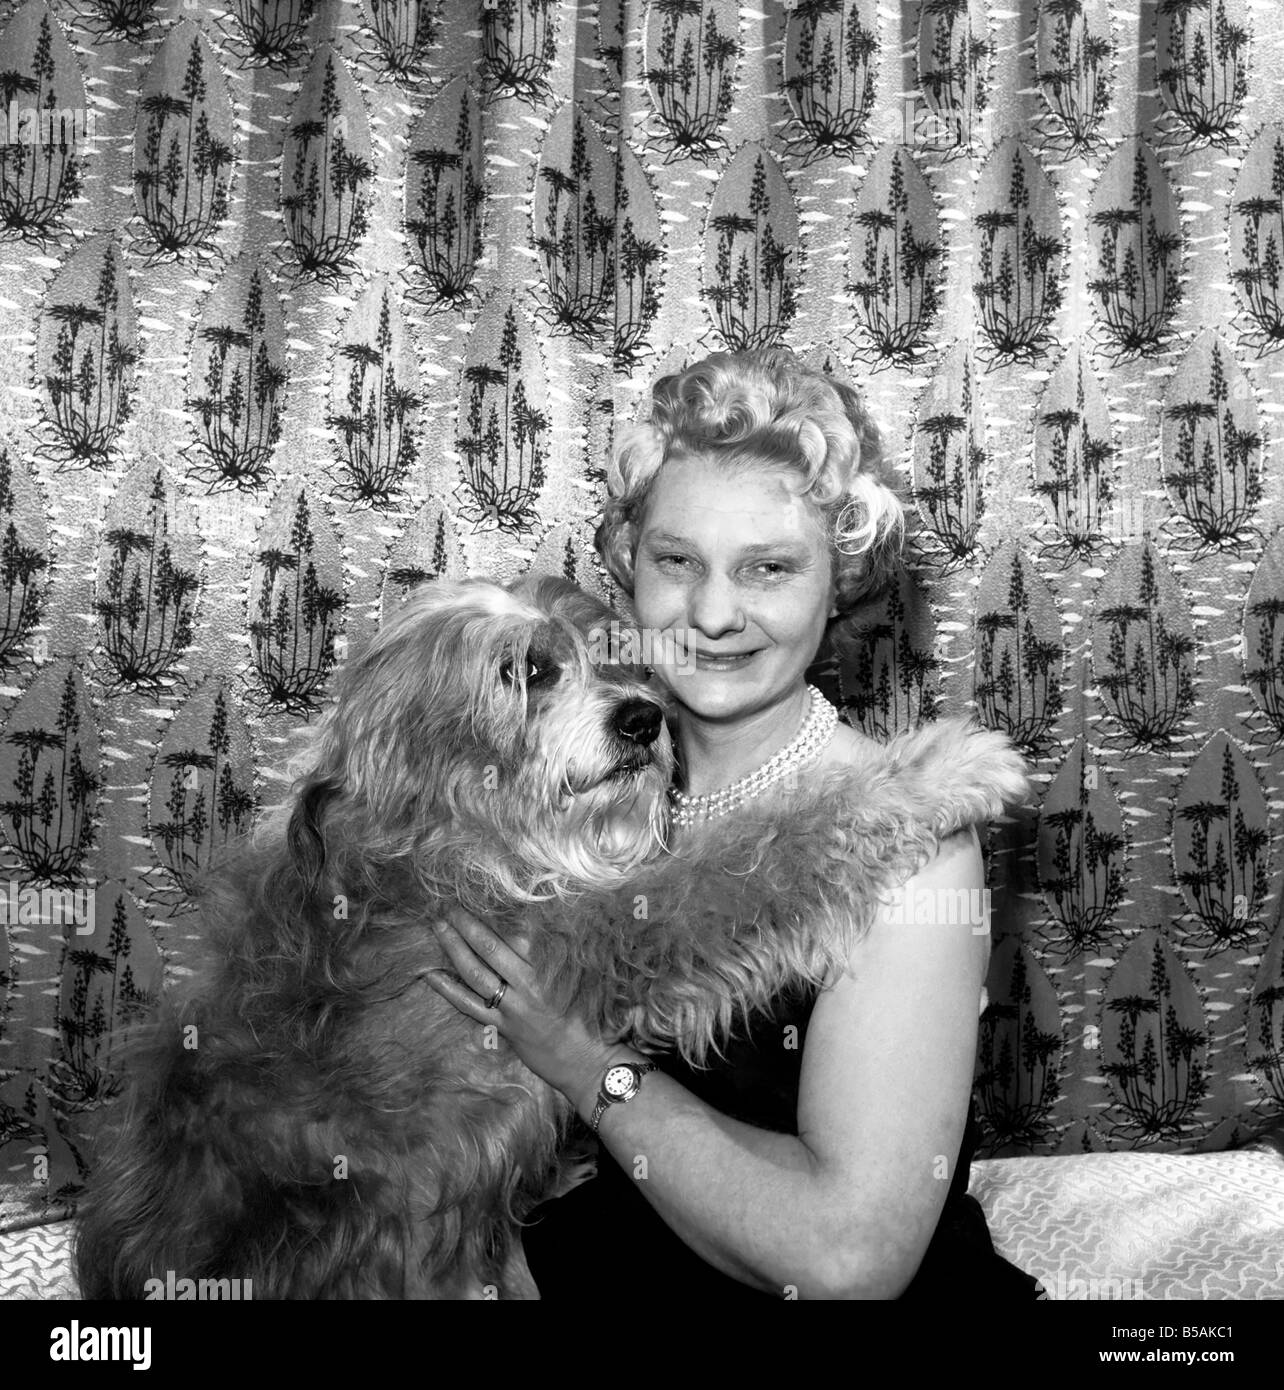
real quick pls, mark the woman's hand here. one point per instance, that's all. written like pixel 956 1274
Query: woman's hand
pixel 559 1048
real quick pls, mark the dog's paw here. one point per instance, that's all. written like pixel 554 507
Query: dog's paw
pixel 970 771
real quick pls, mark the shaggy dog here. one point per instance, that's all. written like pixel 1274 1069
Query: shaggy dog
pixel 310 1115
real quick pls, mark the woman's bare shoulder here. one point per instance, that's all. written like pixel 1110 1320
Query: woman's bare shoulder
pixel 848 748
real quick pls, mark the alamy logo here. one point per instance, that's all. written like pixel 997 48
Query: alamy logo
pixel 1091 1287
pixel 673 648
pixel 77 1343
pixel 172 1288
pixel 62 128
pixel 947 907
pixel 22 904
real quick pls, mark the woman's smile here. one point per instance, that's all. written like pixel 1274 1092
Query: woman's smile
pixel 723 661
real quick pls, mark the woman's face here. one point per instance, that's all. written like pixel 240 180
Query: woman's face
pixel 739 560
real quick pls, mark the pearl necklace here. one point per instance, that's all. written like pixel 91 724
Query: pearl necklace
pixel 817 730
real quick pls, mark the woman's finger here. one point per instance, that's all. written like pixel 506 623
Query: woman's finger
pixel 468 965
pixel 493 950
pixel 463 998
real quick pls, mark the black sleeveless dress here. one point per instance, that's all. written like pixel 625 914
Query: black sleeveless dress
pixel 757 1082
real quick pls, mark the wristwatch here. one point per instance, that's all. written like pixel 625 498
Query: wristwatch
pixel 622 1081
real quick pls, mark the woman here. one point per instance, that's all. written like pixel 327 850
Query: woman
pixel 826 1156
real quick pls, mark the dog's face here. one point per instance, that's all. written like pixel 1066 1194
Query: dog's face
pixel 479 712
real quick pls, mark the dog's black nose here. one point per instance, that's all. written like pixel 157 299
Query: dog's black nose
pixel 639 721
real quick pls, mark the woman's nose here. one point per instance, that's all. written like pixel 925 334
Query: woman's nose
pixel 715 606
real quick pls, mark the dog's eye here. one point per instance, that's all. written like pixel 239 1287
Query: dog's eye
pixel 533 669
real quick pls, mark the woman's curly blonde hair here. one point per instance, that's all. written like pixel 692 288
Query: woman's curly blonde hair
pixel 765 409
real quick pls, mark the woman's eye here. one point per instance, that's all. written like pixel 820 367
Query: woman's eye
pixel 772 568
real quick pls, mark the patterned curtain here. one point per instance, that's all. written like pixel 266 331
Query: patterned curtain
pixel 307 301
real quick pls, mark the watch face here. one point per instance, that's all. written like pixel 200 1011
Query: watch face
pixel 619 1081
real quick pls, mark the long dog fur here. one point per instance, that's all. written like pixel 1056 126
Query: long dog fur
pixel 774 895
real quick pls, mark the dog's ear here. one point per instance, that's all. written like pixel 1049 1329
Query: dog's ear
pixel 564 599
pixel 304 838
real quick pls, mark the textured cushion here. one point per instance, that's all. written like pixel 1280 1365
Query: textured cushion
pixel 36 1263
pixel 1153 1226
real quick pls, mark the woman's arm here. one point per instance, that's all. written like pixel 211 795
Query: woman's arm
pixel 846 1208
